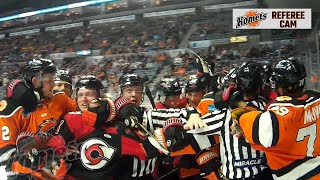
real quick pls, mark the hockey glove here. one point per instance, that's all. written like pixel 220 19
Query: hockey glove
pixel 128 112
pixel 172 136
pixel 209 164
pixel 103 111
pixel 236 114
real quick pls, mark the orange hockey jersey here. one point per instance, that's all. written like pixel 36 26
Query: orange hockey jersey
pixel 12 122
pixel 206 101
pixel 45 117
pixel 289 134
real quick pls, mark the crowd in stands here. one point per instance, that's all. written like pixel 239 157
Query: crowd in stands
pixel 129 39
pixel 153 34
pixel 115 38
pixel 216 25
pixel 76 14
pixel 110 69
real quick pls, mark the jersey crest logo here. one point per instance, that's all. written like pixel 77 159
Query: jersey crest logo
pixel 95 153
pixel 47 125
pixel 3 105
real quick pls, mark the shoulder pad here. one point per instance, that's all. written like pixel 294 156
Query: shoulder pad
pixel 8 108
pixel 209 95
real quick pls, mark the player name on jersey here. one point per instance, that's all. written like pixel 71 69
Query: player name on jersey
pixel 312 114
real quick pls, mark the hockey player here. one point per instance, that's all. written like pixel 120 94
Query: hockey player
pixel 168 94
pixel 87 88
pixel 94 130
pixel 206 104
pixel 196 88
pixel 131 86
pixel 98 147
pixel 152 119
pixel 239 160
pixel 39 77
pixel 14 113
pixel 289 131
pixel 63 83
pixel 39 74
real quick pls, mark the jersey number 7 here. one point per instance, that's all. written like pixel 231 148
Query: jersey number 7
pixel 310 131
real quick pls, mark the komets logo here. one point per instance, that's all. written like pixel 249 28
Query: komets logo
pixel 251 19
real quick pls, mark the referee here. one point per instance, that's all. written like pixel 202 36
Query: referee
pixel 239 160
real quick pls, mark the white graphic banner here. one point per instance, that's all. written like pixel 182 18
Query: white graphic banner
pixel 271 19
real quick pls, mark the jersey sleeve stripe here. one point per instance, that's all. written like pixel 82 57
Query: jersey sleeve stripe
pixel 268 129
pixel 255 130
pixel 275 127
pixel 299 169
pixel 312 173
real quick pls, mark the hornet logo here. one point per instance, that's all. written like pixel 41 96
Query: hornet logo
pixel 251 19
pixel 95 154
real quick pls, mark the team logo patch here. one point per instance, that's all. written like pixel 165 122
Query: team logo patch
pixel 95 153
pixel 3 105
pixel 251 19
pixel 47 125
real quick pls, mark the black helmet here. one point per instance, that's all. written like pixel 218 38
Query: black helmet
pixel 89 82
pixel 63 76
pixel 290 74
pixel 197 83
pixel 38 66
pixel 130 80
pixel 169 87
pixel 250 76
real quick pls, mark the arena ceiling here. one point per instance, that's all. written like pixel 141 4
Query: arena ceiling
pixel 25 5
pixel 16 5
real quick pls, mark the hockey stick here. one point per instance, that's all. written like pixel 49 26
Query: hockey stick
pixel 149 95
pixel 205 68
pixel 151 138
pixel 174 170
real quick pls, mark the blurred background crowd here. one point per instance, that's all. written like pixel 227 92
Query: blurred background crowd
pixel 154 47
